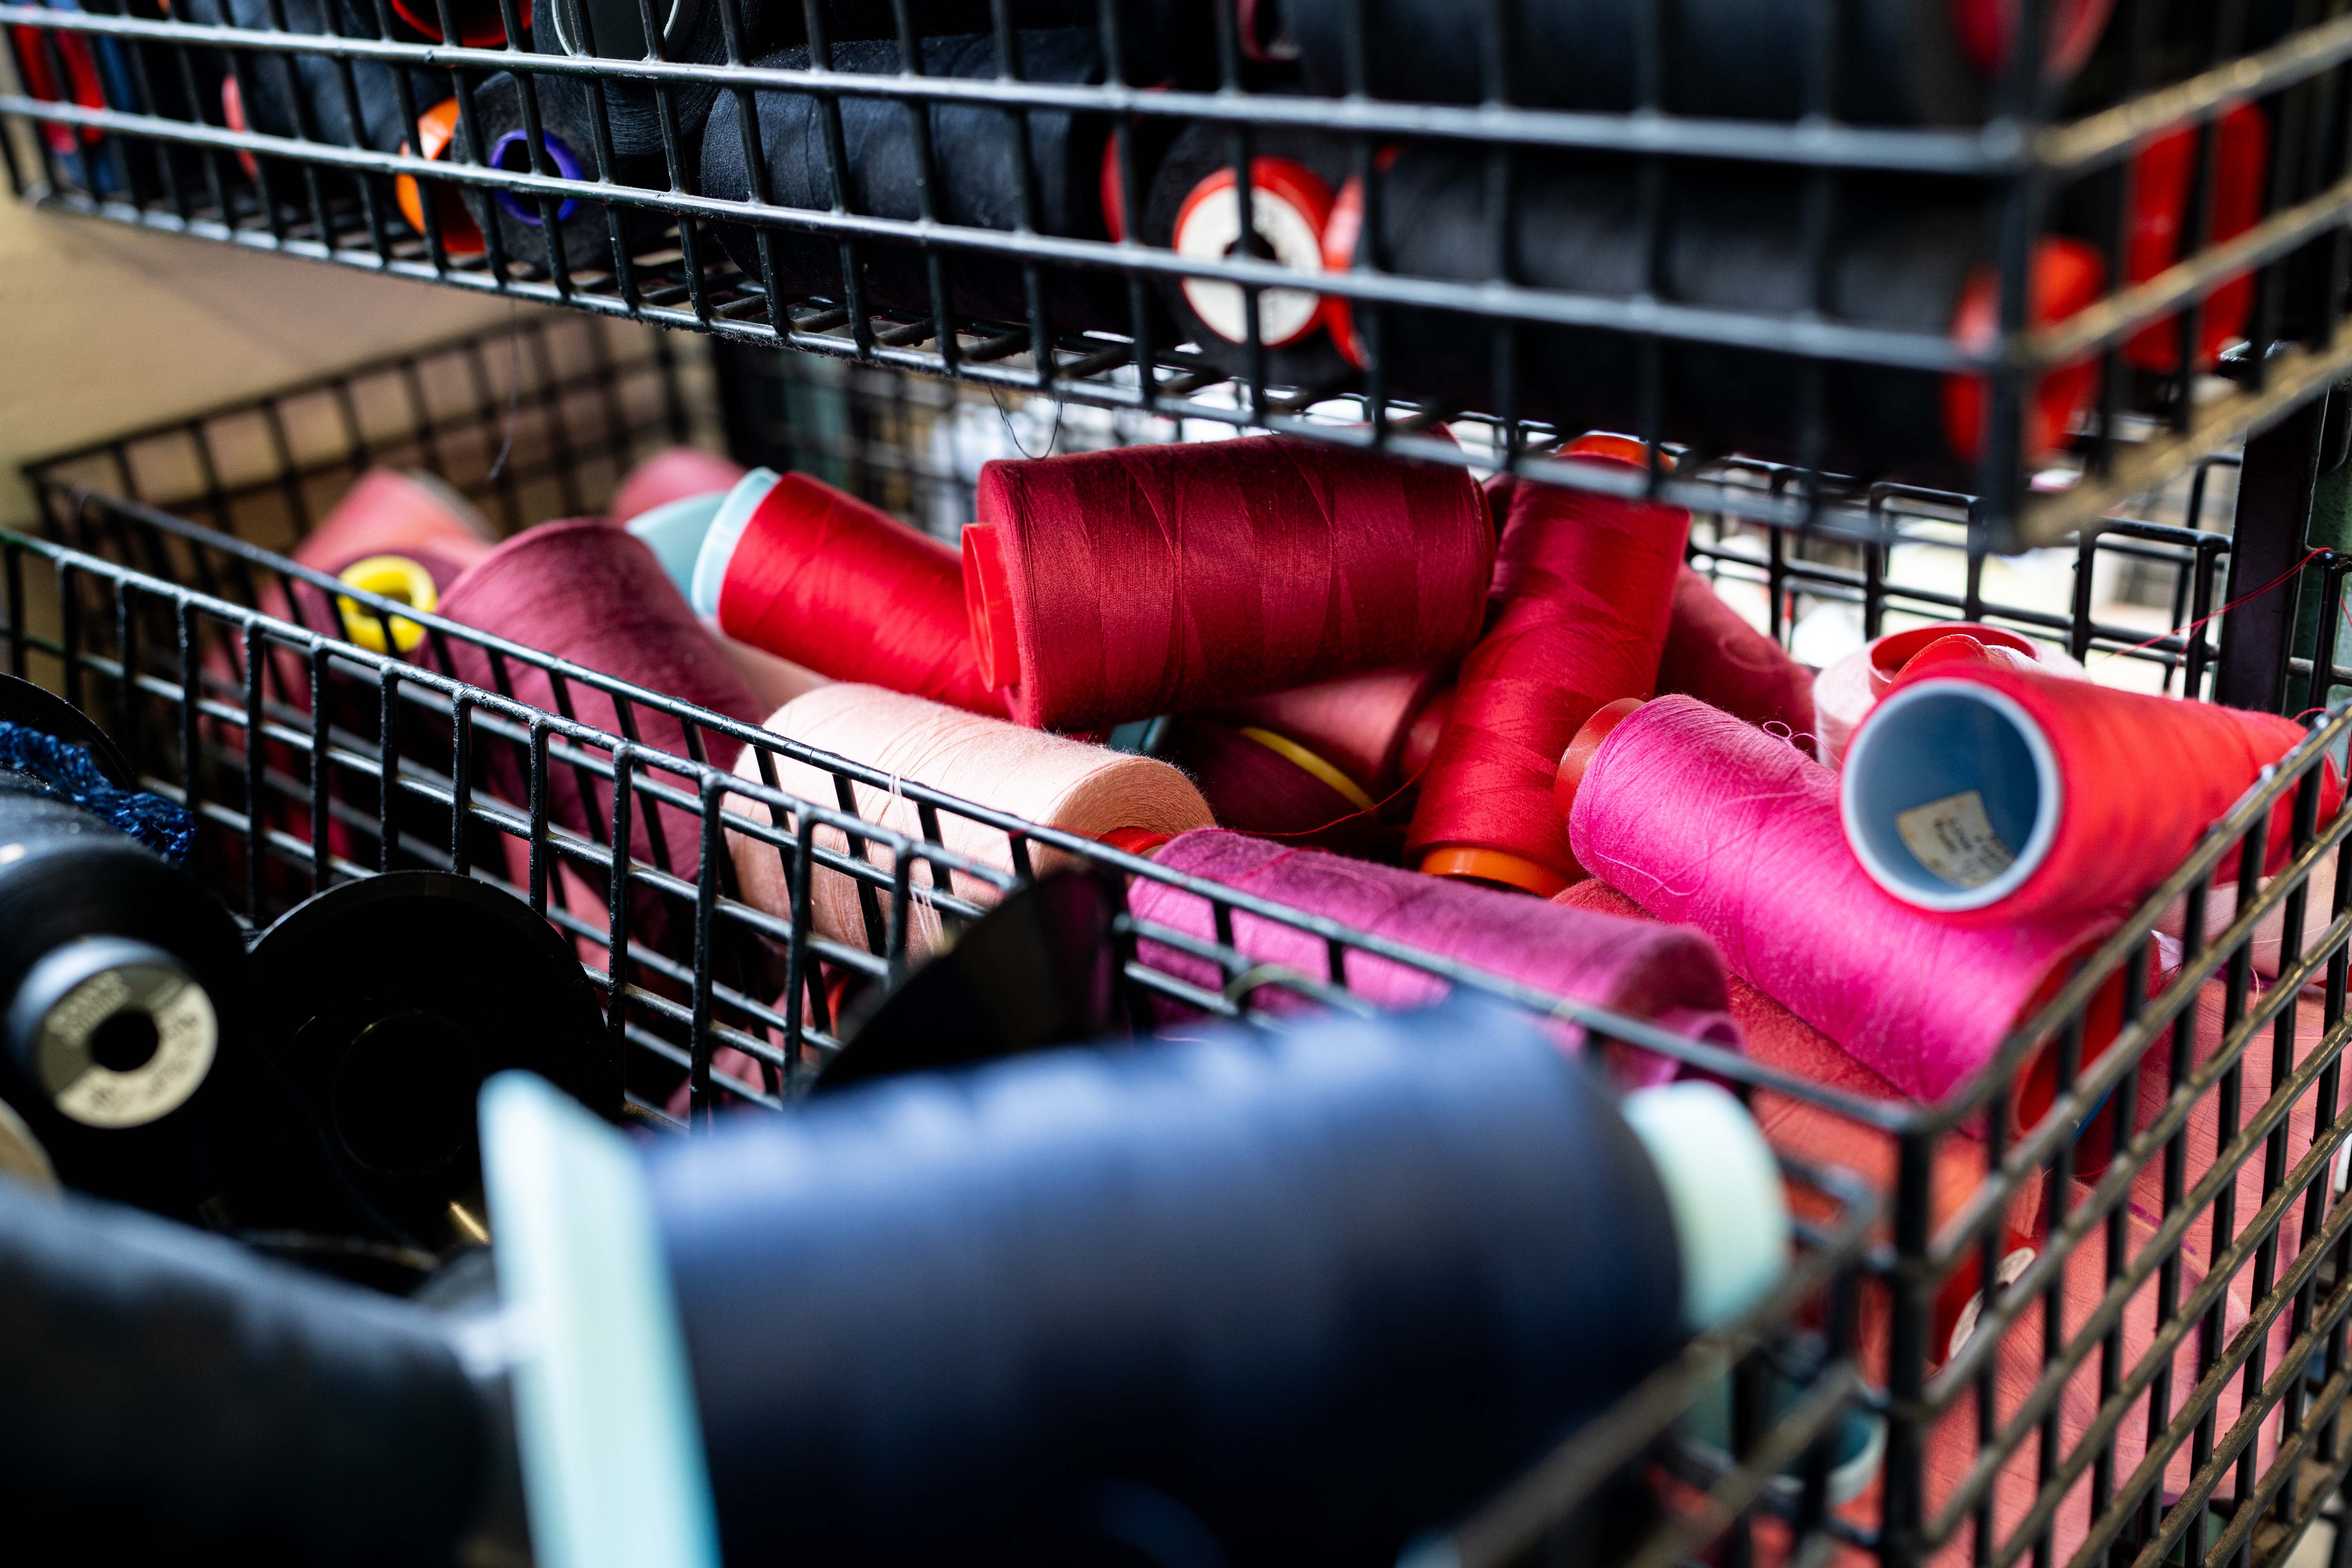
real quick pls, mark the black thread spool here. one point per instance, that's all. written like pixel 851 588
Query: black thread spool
pixel 165 1395
pixel 1040 969
pixel 1910 256
pixel 124 983
pixel 693 32
pixel 1195 210
pixel 978 157
pixel 1323 1288
pixel 1160 41
pixel 569 145
pixel 135 78
pixel 383 1005
pixel 1899 62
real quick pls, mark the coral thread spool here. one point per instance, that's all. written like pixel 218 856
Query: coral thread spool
pixel 1987 794
pixel 672 474
pixel 1668 975
pixel 1083 789
pixel 1713 653
pixel 1114 585
pixel 1586 585
pixel 1700 818
pixel 1848 689
pixel 796 567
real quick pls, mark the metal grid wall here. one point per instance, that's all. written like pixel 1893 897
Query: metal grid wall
pixel 114 115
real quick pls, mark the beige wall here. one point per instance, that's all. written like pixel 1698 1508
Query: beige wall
pixel 104 329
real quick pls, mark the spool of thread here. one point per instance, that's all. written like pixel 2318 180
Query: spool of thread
pixel 437 132
pixel 1381 729
pixel 586 591
pixel 1114 585
pixel 1904 256
pixel 1047 779
pixel 1713 653
pixel 672 474
pixel 163 1391
pixel 1195 211
pixel 1667 976
pixel 566 150
pixel 123 982
pixel 383 1004
pixel 1705 821
pixel 1319 1287
pixel 978 152
pixel 1850 688
pixel 2002 795
pixel 693 32
pixel 287 95
pixel 796 567
pixel 1586 590
pixel 1900 62
pixel 1160 41
pixel 1264 783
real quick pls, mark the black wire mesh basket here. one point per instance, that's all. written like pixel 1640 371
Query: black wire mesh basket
pixel 2049 253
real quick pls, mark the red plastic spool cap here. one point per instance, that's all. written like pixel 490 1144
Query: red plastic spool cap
pixel 1341 231
pixel 479 24
pixel 2068 277
pixel 1615 449
pixel 1578 758
pixel 2162 176
pixel 435 127
pixel 1985 28
pixel 1141 842
pixel 988 603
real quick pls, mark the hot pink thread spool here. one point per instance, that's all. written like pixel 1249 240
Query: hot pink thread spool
pixel 1987 794
pixel 1848 689
pixel 1378 728
pixel 671 474
pixel 1713 653
pixel 588 593
pixel 1108 586
pixel 1669 976
pixel 797 568
pixel 1707 821
pixel 1087 790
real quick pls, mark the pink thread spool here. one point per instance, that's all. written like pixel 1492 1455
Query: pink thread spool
pixel 1702 819
pixel 1848 689
pixel 1087 790
pixel 1713 653
pixel 671 474
pixel 1378 728
pixel 1987 794
pixel 1107 586
pixel 1669 976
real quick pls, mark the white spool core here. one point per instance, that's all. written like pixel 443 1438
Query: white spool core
pixel 1951 796
pixel 1209 228
pixel 725 533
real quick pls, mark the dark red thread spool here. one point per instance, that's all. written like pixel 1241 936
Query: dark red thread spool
pixel 1261 782
pixel 1992 794
pixel 1381 729
pixel 823 579
pixel 1108 586
pixel 1586 585
pixel 1713 653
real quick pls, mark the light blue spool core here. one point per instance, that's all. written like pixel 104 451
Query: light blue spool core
pixel 725 533
pixel 604 1416
pixel 674 531
pixel 1935 741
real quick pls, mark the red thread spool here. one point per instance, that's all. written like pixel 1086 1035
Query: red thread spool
pixel 828 581
pixel 2163 176
pixel 1586 588
pixel 674 473
pixel 1261 781
pixel 1378 729
pixel 1107 586
pixel 435 127
pixel 1713 653
pixel 1988 795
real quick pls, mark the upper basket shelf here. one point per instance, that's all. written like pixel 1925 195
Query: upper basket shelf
pixel 2047 251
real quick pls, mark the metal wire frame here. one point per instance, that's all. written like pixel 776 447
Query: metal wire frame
pixel 179 716
pixel 2020 159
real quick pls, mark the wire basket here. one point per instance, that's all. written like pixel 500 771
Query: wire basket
pixel 1060 282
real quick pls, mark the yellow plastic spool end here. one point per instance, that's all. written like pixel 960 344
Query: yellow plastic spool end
pixel 387 577
pixel 1315 767
pixel 1498 866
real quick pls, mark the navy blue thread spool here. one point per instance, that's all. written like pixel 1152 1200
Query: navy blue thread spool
pixel 1319 1289
pixel 977 153
pixel 568 137
pixel 122 980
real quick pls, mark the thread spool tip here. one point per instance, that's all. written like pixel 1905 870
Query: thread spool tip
pixel 1141 842
pixel 1583 748
pixel 1497 868
pixel 725 531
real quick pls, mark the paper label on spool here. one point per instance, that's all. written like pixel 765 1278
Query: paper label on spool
pixel 1954 839
pixel 186 1033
